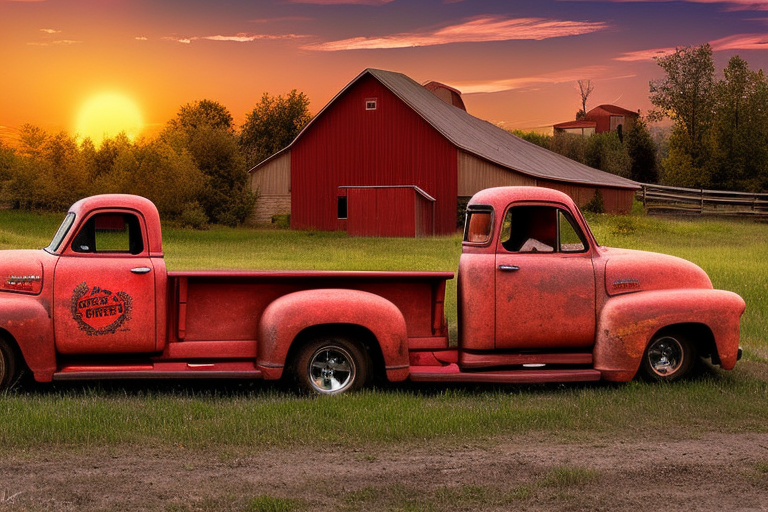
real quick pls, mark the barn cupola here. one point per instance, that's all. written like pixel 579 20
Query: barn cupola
pixel 448 94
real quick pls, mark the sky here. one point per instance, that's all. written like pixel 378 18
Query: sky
pixel 65 64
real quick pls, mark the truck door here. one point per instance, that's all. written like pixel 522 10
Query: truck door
pixel 104 288
pixel 545 282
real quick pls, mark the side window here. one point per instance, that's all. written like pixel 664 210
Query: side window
pixel 570 238
pixel 533 229
pixel 110 233
pixel 478 226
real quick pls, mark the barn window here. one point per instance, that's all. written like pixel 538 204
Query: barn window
pixel 370 103
pixel 341 207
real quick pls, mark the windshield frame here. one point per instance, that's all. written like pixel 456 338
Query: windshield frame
pixel 61 233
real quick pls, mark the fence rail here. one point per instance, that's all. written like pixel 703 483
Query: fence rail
pixel 703 202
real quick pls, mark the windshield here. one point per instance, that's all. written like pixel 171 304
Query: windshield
pixel 61 232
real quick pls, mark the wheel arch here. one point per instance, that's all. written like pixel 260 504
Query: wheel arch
pixel 628 323
pixel 26 324
pixel 296 316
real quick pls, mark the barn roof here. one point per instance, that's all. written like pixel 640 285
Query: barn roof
pixel 575 124
pixel 613 109
pixel 482 138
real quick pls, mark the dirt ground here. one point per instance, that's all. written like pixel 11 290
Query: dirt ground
pixel 714 472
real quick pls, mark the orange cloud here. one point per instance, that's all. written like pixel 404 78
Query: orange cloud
pixel 741 42
pixel 336 2
pixel 483 29
pixel 532 82
pixel 735 42
pixel 645 54
pixel 730 5
pixel 240 37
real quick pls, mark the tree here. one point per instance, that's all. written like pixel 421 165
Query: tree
pixel 642 153
pixel 273 124
pixel 739 137
pixel 686 94
pixel 204 130
pixel 203 113
pixel 585 89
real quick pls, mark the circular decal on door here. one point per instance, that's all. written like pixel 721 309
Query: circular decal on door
pixel 99 311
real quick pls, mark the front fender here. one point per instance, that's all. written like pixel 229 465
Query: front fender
pixel 27 319
pixel 287 316
pixel 628 322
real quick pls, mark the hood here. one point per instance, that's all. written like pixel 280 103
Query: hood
pixel 628 271
pixel 21 271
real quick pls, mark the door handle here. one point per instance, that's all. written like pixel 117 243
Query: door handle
pixel 141 270
pixel 509 268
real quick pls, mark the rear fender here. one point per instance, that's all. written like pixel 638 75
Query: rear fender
pixel 28 321
pixel 291 314
pixel 628 322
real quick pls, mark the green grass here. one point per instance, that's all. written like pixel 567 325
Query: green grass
pixel 246 415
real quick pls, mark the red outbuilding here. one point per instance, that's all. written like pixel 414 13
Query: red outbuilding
pixel 601 119
pixel 390 157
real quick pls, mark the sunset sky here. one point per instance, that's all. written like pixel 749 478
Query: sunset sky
pixel 516 62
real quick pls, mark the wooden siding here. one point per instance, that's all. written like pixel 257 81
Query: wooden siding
pixel 273 184
pixel 476 174
pixel 274 178
pixel 616 200
pixel 350 146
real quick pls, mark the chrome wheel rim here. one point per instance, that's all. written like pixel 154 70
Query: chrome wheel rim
pixel 665 356
pixel 331 370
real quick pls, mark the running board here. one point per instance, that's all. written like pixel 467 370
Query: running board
pixel 230 370
pixel 452 373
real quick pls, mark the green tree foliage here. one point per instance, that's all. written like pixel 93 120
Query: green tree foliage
pixel 686 93
pixel 272 125
pixel 738 141
pixel 606 152
pixel 155 170
pixel 48 172
pixel 720 136
pixel 641 151
pixel 203 113
pixel 204 131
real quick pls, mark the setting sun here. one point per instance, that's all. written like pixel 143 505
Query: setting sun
pixel 107 115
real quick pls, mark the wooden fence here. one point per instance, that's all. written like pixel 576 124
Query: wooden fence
pixel 659 199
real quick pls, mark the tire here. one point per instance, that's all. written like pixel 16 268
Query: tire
pixel 331 366
pixel 8 365
pixel 668 357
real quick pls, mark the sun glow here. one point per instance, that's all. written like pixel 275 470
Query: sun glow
pixel 107 115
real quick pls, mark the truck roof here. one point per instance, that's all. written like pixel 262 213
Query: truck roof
pixel 500 197
pixel 141 205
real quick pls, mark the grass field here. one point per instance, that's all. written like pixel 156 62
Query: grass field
pixel 224 420
pixel 253 415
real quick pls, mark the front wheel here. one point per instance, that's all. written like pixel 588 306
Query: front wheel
pixel 330 366
pixel 668 358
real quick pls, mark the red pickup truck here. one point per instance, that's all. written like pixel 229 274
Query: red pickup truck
pixel 538 301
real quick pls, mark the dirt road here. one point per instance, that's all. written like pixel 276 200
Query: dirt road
pixel 714 472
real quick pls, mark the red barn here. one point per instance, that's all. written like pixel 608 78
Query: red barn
pixel 388 157
pixel 605 118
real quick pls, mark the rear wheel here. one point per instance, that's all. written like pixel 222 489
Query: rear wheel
pixel 330 366
pixel 8 365
pixel 668 357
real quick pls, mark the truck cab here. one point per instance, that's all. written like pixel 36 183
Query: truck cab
pixel 535 286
